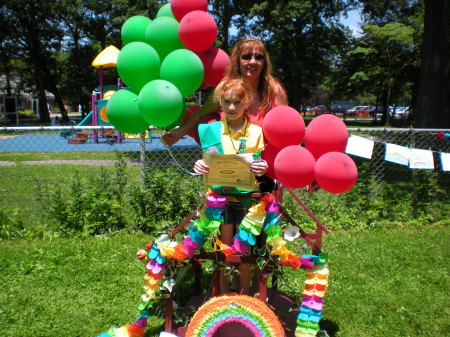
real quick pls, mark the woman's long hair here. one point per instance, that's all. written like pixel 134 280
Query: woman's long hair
pixel 266 85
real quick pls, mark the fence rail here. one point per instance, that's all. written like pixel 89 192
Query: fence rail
pixel 72 147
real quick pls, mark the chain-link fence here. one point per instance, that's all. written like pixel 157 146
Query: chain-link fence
pixel 382 186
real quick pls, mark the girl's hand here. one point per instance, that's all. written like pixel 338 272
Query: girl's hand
pixel 259 168
pixel 200 167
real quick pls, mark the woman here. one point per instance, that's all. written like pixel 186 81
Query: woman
pixel 249 61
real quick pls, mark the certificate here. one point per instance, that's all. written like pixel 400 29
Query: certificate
pixel 230 170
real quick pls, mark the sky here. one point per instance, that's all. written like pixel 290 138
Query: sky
pixel 352 21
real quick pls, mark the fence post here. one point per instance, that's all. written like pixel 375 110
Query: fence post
pixel 414 177
pixel 142 158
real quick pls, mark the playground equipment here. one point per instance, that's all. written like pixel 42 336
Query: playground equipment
pixel 97 117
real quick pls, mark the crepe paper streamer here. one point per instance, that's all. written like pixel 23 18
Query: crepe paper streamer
pixel 313 297
pixel 247 311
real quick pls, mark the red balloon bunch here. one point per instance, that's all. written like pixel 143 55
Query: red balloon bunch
pixel 322 159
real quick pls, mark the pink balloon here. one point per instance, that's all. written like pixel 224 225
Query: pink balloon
pixel 284 126
pixel 294 166
pixel 180 8
pixel 197 30
pixel 214 60
pixel 335 172
pixel 269 154
pixel 324 134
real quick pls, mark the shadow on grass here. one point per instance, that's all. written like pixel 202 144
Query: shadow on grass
pixel 329 326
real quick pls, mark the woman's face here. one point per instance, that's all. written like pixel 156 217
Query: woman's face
pixel 251 62
pixel 232 106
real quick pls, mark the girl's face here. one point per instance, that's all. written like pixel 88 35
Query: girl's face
pixel 251 62
pixel 232 106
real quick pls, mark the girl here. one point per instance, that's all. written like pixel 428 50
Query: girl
pixel 234 135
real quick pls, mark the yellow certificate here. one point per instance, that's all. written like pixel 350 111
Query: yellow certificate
pixel 230 170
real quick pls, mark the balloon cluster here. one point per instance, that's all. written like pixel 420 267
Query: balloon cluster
pixel 320 159
pixel 163 61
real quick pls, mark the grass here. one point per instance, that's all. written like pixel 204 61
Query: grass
pixel 382 283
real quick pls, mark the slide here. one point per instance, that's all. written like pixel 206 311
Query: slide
pixel 86 120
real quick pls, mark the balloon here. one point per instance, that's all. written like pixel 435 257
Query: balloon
pixel 197 30
pixel 179 119
pixel 181 7
pixel 165 11
pixel 123 112
pixel 294 166
pixel 215 61
pixel 269 154
pixel 326 133
pixel 183 68
pixel 335 172
pixel 137 64
pixel 133 29
pixel 160 103
pixel 283 126
pixel 162 34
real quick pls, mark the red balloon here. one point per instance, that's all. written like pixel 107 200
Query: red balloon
pixel 269 154
pixel 214 117
pixel 335 172
pixel 284 126
pixel 326 133
pixel 197 30
pixel 214 60
pixel 180 8
pixel 294 166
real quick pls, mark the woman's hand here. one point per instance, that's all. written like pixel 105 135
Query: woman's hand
pixel 259 168
pixel 200 167
pixel 171 137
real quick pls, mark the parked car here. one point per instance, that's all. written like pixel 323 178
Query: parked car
pixel 352 111
pixel 318 110
pixel 401 112
pixel 339 108
pixel 376 111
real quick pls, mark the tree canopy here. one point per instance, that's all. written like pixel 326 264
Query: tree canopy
pixel 49 46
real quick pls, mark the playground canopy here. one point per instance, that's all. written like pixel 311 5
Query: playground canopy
pixel 107 58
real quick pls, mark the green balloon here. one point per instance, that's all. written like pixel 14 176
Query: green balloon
pixel 179 119
pixel 165 11
pixel 160 103
pixel 137 64
pixel 183 68
pixel 134 29
pixel 123 112
pixel 162 34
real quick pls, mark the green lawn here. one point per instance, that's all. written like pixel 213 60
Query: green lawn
pixel 382 283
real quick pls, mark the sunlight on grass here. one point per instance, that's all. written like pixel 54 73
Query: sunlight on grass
pixel 382 283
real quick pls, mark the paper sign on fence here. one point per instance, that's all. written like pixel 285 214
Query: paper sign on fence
pixel 445 161
pixel 397 154
pixel 421 159
pixel 359 146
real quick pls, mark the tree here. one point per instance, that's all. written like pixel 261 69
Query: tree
pixel 432 106
pixel 304 39
pixel 35 35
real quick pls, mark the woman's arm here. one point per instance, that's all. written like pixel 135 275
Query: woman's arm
pixel 280 95
pixel 174 136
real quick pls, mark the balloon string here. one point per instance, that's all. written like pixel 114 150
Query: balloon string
pixel 176 161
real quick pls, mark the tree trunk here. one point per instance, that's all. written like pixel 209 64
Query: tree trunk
pixel 432 107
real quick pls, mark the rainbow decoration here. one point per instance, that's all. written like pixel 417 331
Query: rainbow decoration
pixel 312 305
pixel 262 216
pixel 241 309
